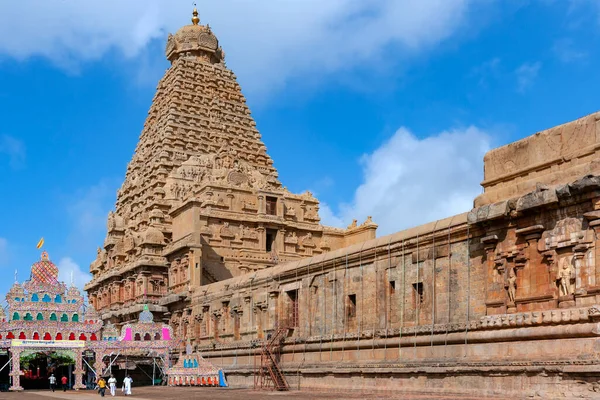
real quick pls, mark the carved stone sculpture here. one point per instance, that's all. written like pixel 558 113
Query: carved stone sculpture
pixel 564 277
pixel 512 285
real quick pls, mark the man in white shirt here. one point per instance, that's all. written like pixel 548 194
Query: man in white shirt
pixel 127 385
pixel 112 384
pixel 52 381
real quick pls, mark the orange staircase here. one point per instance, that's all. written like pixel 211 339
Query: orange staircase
pixel 269 375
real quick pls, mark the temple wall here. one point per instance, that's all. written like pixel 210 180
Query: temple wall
pixel 504 296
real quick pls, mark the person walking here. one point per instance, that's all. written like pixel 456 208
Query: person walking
pixel 127 385
pixel 101 386
pixel 52 381
pixel 112 385
pixel 65 383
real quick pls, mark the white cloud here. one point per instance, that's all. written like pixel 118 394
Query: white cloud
pixel 328 217
pixel 13 149
pixel 567 52
pixel 88 210
pixel 409 181
pixel 526 75
pixel 267 42
pixel 71 273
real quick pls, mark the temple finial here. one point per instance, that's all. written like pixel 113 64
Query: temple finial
pixel 195 18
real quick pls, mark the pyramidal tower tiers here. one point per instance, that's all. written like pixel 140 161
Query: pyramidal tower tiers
pixel 201 201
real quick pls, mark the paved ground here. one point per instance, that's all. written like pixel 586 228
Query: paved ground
pixel 190 393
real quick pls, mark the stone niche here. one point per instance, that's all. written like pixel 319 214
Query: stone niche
pixel 541 248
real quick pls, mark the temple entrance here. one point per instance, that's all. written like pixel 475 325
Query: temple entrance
pixel 37 366
pixel 4 370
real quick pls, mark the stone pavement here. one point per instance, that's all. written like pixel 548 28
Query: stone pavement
pixel 168 393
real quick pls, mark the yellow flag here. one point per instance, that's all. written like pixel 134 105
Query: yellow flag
pixel 40 243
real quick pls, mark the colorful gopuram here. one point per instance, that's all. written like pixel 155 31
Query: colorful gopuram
pixel 43 315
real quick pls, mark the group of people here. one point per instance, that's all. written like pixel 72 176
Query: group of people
pixel 63 381
pixel 101 385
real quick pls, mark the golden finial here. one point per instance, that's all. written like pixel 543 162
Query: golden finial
pixel 195 19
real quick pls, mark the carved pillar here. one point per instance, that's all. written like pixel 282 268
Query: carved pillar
pixel 99 363
pixel 259 309
pixel 262 238
pixel 594 223
pixel 281 207
pixel 132 288
pixel 216 317
pixel 79 370
pixel 145 283
pixel 230 197
pixel 273 315
pixel 581 270
pixel 261 204
pixel 196 267
pixel 280 241
pixel 495 299
pixel 16 370
pixel 248 312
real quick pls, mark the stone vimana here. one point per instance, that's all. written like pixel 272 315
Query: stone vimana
pixel 500 300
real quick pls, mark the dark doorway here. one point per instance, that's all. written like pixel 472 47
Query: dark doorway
pixel 4 377
pixel 37 368
pixel 271 236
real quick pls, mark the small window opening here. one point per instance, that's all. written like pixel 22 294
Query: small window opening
pixel 392 288
pixel 271 206
pixel 351 313
pixel 293 308
pixel 418 292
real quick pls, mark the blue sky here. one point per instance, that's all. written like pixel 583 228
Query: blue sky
pixel 380 108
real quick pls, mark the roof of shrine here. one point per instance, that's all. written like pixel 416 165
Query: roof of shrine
pixel 44 271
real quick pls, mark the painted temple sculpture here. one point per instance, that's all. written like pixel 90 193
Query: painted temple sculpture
pixel 44 315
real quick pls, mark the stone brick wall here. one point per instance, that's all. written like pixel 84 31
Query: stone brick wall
pixel 448 300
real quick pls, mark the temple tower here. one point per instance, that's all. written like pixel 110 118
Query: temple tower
pixel 201 201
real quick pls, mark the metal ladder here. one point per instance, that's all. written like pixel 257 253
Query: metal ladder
pixel 270 375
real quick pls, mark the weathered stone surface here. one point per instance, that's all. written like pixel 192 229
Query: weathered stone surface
pixel 489 212
pixel 537 199
pixel 555 156
pixel 585 184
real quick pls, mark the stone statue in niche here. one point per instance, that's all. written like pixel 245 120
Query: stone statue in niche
pixel 564 276
pixel 511 283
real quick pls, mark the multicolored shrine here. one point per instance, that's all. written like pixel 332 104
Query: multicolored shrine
pixel 45 315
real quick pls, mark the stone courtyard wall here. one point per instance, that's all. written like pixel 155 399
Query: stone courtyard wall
pixel 429 308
